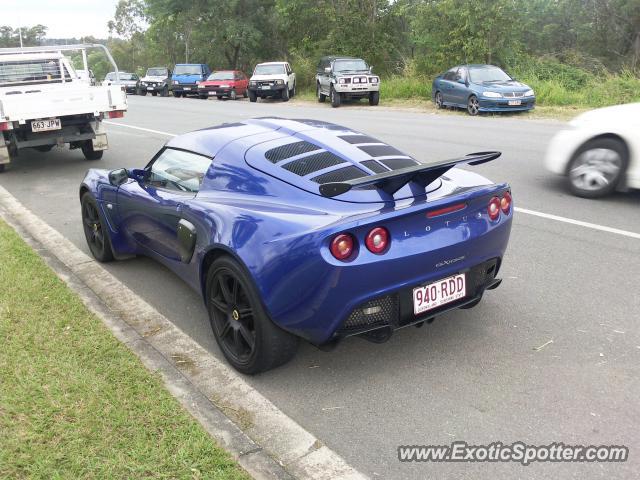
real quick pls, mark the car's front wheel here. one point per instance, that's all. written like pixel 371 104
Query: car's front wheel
pixel 321 96
pixel 285 93
pixel 252 97
pixel 473 106
pixel 249 340
pixel 374 98
pixel 597 167
pixel 95 230
pixel 336 100
pixel 233 95
pixel 439 101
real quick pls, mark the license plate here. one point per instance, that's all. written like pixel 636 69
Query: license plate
pixel 439 293
pixel 46 125
pixel 149 88
pixel 266 87
pixel 187 88
pixel 515 102
pixel 212 93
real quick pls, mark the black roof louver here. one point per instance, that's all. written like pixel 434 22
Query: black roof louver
pixel 313 163
pixel 356 139
pixel 380 150
pixel 340 175
pixel 283 152
pixel 374 166
pixel 397 163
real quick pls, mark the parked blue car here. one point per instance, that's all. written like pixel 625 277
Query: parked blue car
pixel 185 78
pixel 302 228
pixel 481 88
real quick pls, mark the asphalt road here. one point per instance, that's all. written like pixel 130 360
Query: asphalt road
pixel 473 375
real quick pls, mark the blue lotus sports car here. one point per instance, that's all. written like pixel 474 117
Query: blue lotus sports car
pixel 481 88
pixel 304 229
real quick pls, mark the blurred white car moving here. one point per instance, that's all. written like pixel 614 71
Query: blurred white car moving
pixel 599 152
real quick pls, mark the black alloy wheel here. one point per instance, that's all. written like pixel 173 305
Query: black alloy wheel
pixel 95 231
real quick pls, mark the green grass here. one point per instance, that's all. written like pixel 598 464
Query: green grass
pixel 74 401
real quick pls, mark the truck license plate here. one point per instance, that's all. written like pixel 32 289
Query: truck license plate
pixel 439 293
pixel 45 125
pixel 187 88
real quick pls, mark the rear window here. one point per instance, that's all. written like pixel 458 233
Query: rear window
pixel 30 71
pixel 187 70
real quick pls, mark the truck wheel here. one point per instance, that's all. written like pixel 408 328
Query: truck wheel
pixel 89 152
pixel 374 98
pixel 165 92
pixel 252 96
pixel 155 94
pixel 285 94
pixel 335 98
pixel 320 95
pixel 176 94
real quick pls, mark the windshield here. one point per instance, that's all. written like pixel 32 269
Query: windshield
pixel 221 76
pixel 487 74
pixel 30 71
pixel 188 70
pixel 269 70
pixel 157 72
pixel 355 65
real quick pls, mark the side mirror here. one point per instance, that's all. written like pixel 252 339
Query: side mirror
pixel 462 81
pixel 118 177
pixel 327 69
pixel 370 68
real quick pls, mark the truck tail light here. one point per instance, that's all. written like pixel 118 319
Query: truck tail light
pixel 4 126
pixel 116 114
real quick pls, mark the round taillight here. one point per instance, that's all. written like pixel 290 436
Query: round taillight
pixel 377 240
pixel 494 208
pixel 505 203
pixel 342 246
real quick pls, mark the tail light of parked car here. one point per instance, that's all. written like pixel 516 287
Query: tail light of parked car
pixel 343 246
pixel 378 240
pixel 499 204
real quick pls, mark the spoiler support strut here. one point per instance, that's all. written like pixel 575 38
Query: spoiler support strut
pixel 392 181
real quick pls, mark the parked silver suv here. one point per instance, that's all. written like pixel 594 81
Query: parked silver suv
pixel 341 78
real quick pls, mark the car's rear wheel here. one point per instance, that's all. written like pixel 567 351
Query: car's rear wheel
pixel 249 340
pixel 292 92
pixel 597 167
pixel 165 92
pixel 321 96
pixel 374 98
pixel 176 94
pixel 336 100
pixel 95 230
pixel 245 94
pixel 88 151
pixel 143 93
pixel 233 95
pixel 439 101
pixel 473 106
pixel 252 97
pixel 285 93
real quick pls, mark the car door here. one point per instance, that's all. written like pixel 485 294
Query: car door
pixel 151 208
pixel 460 89
pixel 448 86
pixel 242 82
pixel 289 76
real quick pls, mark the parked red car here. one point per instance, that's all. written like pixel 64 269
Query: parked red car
pixel 224 83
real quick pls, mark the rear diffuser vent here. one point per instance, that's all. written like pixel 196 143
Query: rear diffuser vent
pixel 374 166
pixel 313 163
pixel 397 163
pixel 380 150
pixel 340 175
pixel 290 150
pixel 356 139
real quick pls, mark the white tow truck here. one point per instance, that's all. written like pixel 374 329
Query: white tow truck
pixel 43 103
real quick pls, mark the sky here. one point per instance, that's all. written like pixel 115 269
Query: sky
pixel 64 18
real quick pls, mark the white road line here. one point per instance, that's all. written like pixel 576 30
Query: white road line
pixel 150 130
pixel 526 211
pixel 580 223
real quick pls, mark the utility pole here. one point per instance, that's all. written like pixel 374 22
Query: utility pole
pixel 20 33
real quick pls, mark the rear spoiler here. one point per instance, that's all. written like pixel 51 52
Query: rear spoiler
pixel 392 181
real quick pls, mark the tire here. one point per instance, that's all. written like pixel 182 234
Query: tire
pixel 203 97
pixel 143 93
pixel 88 151
pixel 597 167
pixel 438 101
pixel 473 106
pixel 252 97
pixel 95 230
pixel 233 95
pixel 155 94
pixel 165 92
pixel 3 167
pixel 284 95
pixel 335 98
pixel 176 94
pixel 374 98
pixel 249 340
pixel 319 94
pixel 245 94
pixel 292 92
pixel 219 97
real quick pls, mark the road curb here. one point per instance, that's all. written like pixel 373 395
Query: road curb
pixel 265 442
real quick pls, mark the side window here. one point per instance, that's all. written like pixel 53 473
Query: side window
pixel 461 74
pixel 288 68
pixel 178 170
pixel 451 74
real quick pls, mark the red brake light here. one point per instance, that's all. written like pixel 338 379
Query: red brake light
pixel 377 240
pixel 505 203
pixel 342 246
pixel 4 126
pixel 445 210
pixel 494 208
pixel 116 114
